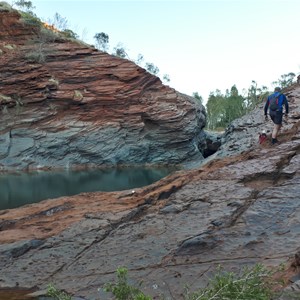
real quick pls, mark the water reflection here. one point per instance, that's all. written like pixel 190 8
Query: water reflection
pixel 25 188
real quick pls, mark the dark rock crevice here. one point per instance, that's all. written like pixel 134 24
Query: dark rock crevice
pixel 209 143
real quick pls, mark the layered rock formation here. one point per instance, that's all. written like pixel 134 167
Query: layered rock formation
pixel 237 210
pixel 66 104
pixel 233 211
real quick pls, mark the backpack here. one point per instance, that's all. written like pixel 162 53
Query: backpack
pixel 262 137
pixel 273 102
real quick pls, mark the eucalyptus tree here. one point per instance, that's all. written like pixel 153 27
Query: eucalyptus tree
pixel 151 68
pixel 285 80
pixel 23 4
pixel 166 78
pixel 255 95
pixel 154 70
pixel 120 51
pixel 102 41
pixel 59 22
pixel 139 59
pixel 235 105
pixel 215 109
pixel 198 97
pixel 223 109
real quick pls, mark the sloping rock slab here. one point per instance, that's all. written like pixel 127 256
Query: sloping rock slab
pixel 235 212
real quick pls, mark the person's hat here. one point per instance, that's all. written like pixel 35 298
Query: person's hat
pixel 277 89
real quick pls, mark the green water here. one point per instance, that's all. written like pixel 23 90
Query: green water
pixel 20 189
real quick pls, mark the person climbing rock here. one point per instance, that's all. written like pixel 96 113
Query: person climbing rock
pixel 275 103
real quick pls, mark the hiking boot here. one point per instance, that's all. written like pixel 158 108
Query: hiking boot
pixel 274 141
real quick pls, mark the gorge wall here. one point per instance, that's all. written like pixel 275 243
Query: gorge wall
pixel 241 207
pixel 66 104
pixel 233 211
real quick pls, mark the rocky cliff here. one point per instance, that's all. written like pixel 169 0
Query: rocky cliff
pixel 66 104
pixel 240 208
pixel 234 211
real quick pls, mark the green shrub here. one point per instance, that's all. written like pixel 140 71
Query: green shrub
pixel 5 6
pixel 30 18
pixel 122 290
pixel 36 56
pixel 53 292
pixel 251 284
pixel 46 35
pixel 68 33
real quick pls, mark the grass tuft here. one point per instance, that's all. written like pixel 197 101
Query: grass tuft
pixel 251 284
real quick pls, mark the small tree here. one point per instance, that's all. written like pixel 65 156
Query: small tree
pixel 70 34
pixel 255 95
pixel 56 294
pixel 140 59
pixel 198 97
pixel 285 80
pixel 251 283
pixel 120 51
pixel 166 78
pixel 151 68
pixel 102 40
pixel 122 290
pixel 59 22
pixel 24 4
pixel 222 109
pixel 28 16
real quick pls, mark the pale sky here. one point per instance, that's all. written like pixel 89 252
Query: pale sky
pixel 203 45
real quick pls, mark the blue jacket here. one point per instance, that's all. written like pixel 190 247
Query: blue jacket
pixel 281 101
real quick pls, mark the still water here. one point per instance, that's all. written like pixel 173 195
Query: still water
pixel 19 189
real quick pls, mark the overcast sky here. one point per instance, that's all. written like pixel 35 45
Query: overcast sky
pixel 203 45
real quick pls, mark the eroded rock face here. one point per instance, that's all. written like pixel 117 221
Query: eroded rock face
pixel 65 104
pixel 234 211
